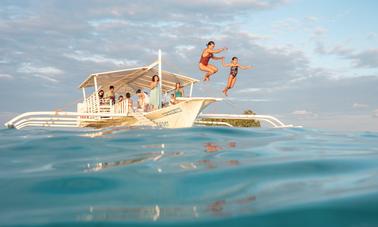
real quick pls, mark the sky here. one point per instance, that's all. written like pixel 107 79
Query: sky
pixel 316 61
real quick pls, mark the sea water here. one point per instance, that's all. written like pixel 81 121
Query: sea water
pixel 200 176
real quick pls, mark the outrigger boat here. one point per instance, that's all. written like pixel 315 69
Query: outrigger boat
pixel 92 112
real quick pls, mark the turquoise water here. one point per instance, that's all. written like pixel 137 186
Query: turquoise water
pixel 188 177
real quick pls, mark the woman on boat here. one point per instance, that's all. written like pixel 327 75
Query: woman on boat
pixel 179 91
pixel 234 66
pixel 155 99
pixel 101 94
pixel 111 94
pixel 206 55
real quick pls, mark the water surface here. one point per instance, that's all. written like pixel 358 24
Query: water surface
pixel 200 176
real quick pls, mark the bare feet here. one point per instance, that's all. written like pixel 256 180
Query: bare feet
pixel 225 92
pixel 206 78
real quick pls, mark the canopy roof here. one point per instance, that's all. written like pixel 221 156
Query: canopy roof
pixel 130 80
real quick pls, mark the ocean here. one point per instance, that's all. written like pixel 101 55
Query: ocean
pixel 200 176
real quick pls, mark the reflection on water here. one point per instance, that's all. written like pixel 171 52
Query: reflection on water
pixel 142 158
pixel 213 147
pixel 226 207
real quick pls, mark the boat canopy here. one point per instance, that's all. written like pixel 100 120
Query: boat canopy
pixel 130 80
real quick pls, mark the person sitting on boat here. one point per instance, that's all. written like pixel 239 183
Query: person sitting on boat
pixel 111 94
pixel 129 101
pixel 173 100
pixel 234 66
pixel 143 101
pixel 101 94
pixel 155 98
pixel 206 55
pixel 179 91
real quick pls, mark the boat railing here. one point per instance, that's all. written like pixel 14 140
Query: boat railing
pixel 94 104
pixel 122 107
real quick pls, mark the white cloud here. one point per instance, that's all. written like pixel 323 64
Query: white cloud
pixel 375 113
pixel 182 50
pixel 249 90
pixel 360 105
pixel 304 113
pixel 96 58
pixel 6 76
pixel 367 58
pixel 108 23
pixel 320 31
pixel 288 24
pixel 312 18
pixel 247 99
pixel 47 72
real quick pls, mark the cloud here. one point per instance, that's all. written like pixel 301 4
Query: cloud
pixel 96 58
pixel 361 59
pixel 340 49
pixel 367 58
pixel 375 113
pixel 249 90
pixel 287 24
pixel 182 50
pixel 359 105
pixel 47 72
pixel 320 31
pixel 312 18
pixel 305 114
pixel 248 99
pixel 5 76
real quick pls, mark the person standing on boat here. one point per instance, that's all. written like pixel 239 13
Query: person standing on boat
pixel 143 101
pixel 206 55
pixel 111 94
pixel 234 66
pixel 129 101
pixel 155 98
pixel 179 92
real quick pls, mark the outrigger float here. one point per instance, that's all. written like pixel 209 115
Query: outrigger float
pixel 91 112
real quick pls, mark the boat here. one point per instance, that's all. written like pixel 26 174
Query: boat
pixel 96 112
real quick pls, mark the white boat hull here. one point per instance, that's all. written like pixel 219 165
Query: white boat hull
pixel 181 115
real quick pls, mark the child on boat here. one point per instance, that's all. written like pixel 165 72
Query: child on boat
pixel 234 66
pixel 129 101
pixel 173 100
